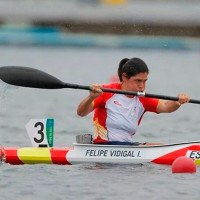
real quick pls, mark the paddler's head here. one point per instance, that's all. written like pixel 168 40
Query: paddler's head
pixel 133 74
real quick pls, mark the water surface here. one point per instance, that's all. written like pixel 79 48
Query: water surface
pixel 171 72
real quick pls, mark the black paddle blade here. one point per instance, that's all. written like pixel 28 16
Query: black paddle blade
pixel 29 77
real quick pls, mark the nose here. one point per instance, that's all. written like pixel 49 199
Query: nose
pixel 142 84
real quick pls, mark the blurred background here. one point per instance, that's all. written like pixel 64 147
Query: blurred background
pixel 82 41
pixel 110 23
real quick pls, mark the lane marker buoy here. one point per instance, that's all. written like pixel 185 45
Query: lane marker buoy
pixel 183 164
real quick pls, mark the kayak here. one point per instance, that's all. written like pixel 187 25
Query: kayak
pixel 41 132
pixel 93 153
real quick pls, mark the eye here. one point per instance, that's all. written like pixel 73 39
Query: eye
pixel 138 81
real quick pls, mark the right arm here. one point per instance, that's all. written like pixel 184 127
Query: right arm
pixel 86 106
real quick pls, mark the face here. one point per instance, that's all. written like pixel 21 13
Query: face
pixel 135 83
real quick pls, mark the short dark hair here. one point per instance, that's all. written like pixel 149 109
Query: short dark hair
pixel 131 67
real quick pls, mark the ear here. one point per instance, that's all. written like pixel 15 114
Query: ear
pixel 124 76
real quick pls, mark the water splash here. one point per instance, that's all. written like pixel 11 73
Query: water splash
pixel 4 88
pixel 2 155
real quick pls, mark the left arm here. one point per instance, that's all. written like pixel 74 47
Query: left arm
pixel 171 106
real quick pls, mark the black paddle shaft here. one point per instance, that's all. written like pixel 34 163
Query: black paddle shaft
pixel 34 78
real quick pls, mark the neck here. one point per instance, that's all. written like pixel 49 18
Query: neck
pixel 124 88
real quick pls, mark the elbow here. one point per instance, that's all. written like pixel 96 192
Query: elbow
pixel 81 114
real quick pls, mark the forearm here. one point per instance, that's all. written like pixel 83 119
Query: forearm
pixel 85 107
pixel 171 106
pixel 168 106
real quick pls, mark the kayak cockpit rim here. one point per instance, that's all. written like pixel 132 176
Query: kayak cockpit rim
pixel 135 146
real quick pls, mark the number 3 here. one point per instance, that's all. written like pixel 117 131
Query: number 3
pixel 40 132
